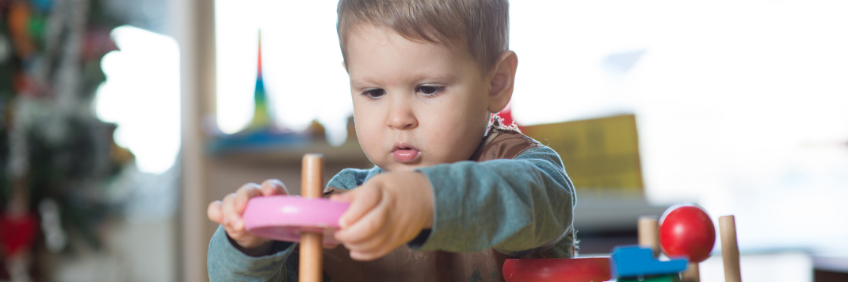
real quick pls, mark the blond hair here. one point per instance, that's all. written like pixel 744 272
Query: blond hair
pixel 482 26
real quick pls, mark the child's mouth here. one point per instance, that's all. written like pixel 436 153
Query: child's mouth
pixel 405 154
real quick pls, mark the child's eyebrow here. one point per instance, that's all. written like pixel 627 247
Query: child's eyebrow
pixel 442 77
pixel 364 81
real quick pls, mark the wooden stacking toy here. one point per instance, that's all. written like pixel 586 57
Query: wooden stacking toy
pixel 685 233
pixel 309 219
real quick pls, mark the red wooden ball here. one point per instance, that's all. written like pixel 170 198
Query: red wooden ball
pixel 687 230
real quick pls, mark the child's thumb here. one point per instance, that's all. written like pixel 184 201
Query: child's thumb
pixel 215 212
pixel 359 206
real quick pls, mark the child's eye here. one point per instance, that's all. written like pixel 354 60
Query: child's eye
pixel 430 90
pixel 374 93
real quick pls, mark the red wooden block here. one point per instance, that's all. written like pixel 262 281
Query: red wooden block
pixel 560 270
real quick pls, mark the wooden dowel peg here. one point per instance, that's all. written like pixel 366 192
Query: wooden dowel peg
pixel 648 233
pixel 692 273
pixel 729 249
pixel 312 176
pixel 312 182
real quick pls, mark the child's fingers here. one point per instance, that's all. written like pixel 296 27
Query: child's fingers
pixel 273 187
pixel 362 200
pixel 371 254
pixel 244 194
pixel 366 256
pixel 369 245
pixel 383 243
pixel 232 220
pixel 363 230
pixel 215 213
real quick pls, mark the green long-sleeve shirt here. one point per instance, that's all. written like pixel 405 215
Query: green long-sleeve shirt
pixel 516 206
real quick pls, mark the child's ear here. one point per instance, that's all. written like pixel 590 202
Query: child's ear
pixel 502 81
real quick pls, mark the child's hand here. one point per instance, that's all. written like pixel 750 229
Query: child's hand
pixel 229 214
pixel 387 211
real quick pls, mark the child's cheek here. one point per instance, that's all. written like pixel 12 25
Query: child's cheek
pixel 368 135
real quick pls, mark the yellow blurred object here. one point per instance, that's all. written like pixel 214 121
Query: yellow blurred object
pixel 120 154
pixel 600 154
pixel 317 130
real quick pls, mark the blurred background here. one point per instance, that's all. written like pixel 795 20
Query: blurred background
pixel 122 119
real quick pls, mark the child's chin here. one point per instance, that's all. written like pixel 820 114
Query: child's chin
pixel 401 167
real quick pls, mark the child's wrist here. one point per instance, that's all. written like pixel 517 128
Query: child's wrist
pixel 257 249
pixel 428 196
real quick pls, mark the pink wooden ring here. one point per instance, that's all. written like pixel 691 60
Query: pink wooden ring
pixel 283 218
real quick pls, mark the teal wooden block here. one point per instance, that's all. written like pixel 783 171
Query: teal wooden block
pixel 635 261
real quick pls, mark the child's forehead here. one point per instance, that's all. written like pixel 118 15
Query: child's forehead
pixel 379 55
pixel 384 35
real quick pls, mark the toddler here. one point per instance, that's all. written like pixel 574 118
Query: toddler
pixel 454 192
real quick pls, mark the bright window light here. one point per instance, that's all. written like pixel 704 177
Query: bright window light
pixel 142 96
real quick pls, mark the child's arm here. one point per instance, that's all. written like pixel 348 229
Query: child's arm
pixel 235 254
pixel 514 206
pixel 227 263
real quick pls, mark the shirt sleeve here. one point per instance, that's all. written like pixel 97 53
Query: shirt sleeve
pixel 350 178
pixel 515 206
pixel 226 263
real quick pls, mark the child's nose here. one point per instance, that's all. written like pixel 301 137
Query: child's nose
pixel 402 118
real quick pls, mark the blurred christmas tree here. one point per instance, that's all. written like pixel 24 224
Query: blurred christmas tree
pixel 55 156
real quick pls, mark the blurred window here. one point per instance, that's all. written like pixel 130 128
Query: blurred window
pixel 142 96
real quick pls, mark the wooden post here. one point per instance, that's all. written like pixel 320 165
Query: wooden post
pixel 729 249
pixel 648 233
pixel 312 180
pixel 692 273
pixel 192 24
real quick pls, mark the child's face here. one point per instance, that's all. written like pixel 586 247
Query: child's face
pixel 414 104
